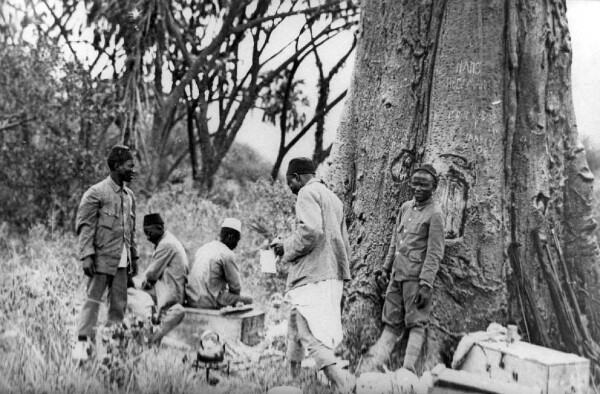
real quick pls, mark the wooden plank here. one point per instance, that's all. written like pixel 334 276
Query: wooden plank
pixel 247 327
pixel 466 382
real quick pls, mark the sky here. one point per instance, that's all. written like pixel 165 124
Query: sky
pixel 583 17
pixel 584 24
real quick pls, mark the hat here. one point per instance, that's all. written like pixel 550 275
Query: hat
pixel 429 169
pixel 232 223
pixel 118 154
pixel 152 218
pixel 301 165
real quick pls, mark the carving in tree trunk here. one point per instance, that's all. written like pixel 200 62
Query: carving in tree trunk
pixel 481 90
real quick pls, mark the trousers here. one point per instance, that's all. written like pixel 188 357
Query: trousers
pixel 399 310
pixel 300 339
pixel 140 303
pixel 117 301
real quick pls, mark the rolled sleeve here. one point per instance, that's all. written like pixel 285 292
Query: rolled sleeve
pixel 435 249
pixel 309 229
pixel 160 260
pixel 86 221
pixel 232 275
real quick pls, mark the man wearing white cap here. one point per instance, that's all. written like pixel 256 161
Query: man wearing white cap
pixel 214 281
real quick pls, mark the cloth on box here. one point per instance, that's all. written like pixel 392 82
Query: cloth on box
pixel 494 332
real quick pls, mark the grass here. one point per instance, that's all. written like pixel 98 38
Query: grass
pixel 42 288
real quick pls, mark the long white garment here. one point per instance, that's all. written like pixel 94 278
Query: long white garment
pixel 320 304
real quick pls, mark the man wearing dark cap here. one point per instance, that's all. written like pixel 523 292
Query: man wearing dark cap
pixel 105 226
pixel 162 283
pixel 414 255
pixel 319 253
pixel 214 281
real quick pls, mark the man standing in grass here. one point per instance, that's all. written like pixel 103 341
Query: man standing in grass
pixel 413 259
pixel 319 254
pixel 162 283
pixel 214 281
pixel 105 226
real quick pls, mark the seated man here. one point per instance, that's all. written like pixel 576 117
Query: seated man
pixel 214 281
pixel 162 284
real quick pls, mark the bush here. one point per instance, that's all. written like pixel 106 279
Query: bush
pixel 53 115
pixel 42 288
pixel 265 210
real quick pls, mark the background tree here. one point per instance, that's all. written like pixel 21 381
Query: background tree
pixel 282 106
pixel 52 117
pixel 219 56
pixel 482 91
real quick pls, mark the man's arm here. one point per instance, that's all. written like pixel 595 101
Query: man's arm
pixel 435 249
pixel 309 229
pixel 86 221
pixel 232 275
pixel 160 260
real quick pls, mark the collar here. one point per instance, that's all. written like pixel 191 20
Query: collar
pixel 313 180
pixel 161 239
pixel 115 186
pixel 421 206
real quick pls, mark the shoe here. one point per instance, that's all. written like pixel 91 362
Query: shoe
pixel 342 381
pixel 82 351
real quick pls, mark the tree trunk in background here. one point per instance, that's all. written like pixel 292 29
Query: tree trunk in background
pixel 480 89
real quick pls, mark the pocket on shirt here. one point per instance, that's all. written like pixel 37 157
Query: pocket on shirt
pixel 418 228
pixel 106 222
pixel 415 256
pixel 415 263
pixel 106 219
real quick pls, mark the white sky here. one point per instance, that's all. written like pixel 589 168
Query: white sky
pixel 583 16
pixel 584 25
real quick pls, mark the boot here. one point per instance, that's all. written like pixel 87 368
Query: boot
pixel 379 353
pixel 82 350
pixel 342 381
pixel 413 348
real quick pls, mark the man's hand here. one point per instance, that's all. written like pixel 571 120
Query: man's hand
pixel 277 245
pixel 89 266
pixel 139 282
pixel 423 297
pixel 382 278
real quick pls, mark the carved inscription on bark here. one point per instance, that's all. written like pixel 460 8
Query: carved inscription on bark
pixel 465 140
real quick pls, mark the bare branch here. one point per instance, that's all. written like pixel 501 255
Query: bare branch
pixel 63 31
pixel 260 21
pixel 15 124
pixel 314 119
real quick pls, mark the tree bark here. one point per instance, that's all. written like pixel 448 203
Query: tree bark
pixel 481 90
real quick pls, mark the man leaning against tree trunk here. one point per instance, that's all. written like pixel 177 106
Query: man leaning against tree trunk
pixel 413 259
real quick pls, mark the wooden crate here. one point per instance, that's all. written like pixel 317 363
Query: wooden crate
pixel 449 381
pixel 247 327
pixel 553 371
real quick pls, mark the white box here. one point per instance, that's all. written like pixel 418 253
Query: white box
pixel 553 371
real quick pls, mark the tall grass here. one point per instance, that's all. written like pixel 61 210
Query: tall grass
pixel 42 288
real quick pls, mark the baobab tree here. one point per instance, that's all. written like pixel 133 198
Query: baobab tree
pixel 480 89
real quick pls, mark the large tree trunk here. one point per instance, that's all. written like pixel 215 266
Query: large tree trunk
pixel 480 89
